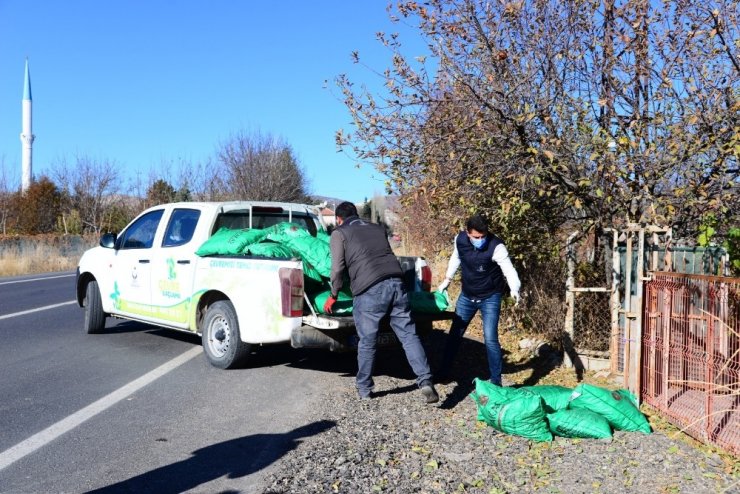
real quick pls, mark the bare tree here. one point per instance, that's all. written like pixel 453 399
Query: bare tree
pixel 92 188
pixel 169 182
pixel 261 167
pixel 199 181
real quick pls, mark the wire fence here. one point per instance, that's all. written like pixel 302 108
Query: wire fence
pixel 588 319
pixel 690 367
pixel 592 321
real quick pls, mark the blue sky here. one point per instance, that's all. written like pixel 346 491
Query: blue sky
pixel 145 82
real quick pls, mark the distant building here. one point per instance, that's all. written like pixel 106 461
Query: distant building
pixel 328 216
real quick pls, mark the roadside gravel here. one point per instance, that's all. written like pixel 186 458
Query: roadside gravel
pixel 396 443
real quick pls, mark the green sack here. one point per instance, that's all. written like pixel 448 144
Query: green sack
pixel 554 397
pixel 309 271
pixel 579 423
pixel 314 250
pixel 229 242
pixel 270 249
pixel 618 407
pixel 428 301
pixel 283 232
pixel 342 307
pixel 511 410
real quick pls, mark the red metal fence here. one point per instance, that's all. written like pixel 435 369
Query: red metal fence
pixel 690 368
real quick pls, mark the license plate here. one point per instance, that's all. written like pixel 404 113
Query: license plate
pixel 384 339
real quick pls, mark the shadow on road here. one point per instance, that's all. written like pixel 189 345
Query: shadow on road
pixel 235 458
pixel 470 362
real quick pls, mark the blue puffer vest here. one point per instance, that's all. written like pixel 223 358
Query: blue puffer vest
pixel 481 275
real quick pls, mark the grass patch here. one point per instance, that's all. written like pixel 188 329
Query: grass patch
pixel 33 254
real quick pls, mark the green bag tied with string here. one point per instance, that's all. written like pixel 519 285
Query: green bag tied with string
pixel 510 410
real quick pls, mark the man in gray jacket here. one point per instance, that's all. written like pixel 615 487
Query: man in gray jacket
pixel 375 276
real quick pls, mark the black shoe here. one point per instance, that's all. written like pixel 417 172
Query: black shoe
pixel 430 395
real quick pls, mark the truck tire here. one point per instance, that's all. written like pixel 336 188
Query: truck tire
pixel 94 315
pixel 222 343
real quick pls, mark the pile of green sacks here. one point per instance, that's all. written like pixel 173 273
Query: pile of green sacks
pixel 541 412
pixel 289 240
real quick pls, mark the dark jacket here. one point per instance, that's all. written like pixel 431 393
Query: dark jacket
pixel 481 275
pixel 363 249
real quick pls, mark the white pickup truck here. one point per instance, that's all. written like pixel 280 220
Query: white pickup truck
pixel 150 273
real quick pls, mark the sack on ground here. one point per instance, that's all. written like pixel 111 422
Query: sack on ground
pixel 554 397
pixel 579 423
pixel 510 410
pixel 429 302
pixel 229 242
pixel 618 407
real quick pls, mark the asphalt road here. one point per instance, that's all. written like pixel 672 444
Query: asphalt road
pixel 138 409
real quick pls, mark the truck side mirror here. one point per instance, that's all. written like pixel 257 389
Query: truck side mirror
pixel 108 240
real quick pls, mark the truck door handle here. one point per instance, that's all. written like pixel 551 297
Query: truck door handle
pixel 183 261
pixel 143 261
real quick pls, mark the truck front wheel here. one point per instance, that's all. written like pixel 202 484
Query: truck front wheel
pixel 94 315
pixel 221 341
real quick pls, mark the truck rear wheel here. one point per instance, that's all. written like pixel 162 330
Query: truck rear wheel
pixel 222 343
pixel 94 315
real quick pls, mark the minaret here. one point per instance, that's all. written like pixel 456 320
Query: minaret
pixel 27 136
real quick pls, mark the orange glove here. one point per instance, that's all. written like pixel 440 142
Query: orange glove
pixel 329 303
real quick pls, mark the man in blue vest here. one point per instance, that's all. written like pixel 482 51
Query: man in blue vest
pixel 486 270
pixel 362 249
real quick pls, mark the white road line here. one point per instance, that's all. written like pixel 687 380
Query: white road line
pixel 31 311
pixel 37 279
pixel 65 425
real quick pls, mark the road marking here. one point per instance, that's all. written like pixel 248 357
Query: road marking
pixel 65 425
pixel 31 311
pixel 37 279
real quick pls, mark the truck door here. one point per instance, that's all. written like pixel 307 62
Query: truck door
pixel 132 265
pixel 173 266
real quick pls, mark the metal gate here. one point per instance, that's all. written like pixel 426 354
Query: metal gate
pixel 605 310
pixel 690 367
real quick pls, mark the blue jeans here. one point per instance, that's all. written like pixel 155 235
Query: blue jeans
pixel 465 309
pixel 387 297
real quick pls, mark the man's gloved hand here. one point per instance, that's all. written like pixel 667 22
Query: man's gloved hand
pixel 443 286
pixel 329 303
pixel 516 297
